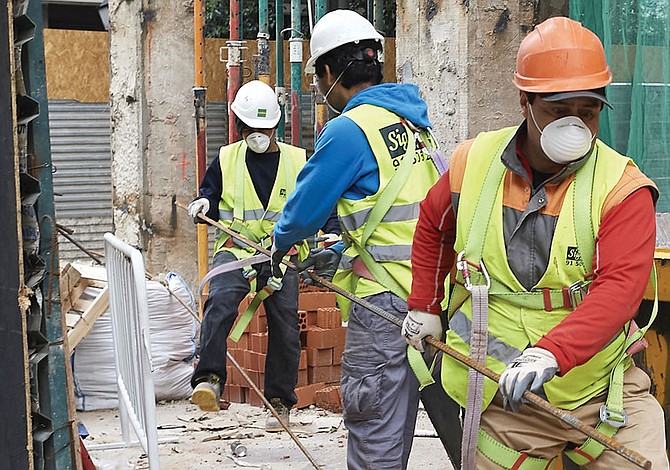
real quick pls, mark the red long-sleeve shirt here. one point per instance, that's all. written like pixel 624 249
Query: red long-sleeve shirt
pixel 624 247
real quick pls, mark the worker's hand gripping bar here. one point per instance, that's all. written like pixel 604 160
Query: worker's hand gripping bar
pixel 532 398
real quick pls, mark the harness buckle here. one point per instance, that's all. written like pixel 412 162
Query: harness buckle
pixel 274 283
pixel 615 419
pixel 249 273
pixel 463 266
pixel 577 292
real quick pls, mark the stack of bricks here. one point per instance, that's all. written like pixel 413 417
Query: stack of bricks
pixel 322 338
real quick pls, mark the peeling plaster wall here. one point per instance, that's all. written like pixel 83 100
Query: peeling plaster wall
pixel 153 138
pixel 462 56
pixel 431 51
pixel 495 30
pixel 171 140
pixel 128 134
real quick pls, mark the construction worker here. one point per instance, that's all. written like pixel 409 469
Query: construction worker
pixel 365 163
pixel 555 236
pixel 245 188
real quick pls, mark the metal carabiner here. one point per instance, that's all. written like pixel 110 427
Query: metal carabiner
pixel 462 266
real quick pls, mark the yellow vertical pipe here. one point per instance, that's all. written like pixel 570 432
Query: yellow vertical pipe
pixel 201 160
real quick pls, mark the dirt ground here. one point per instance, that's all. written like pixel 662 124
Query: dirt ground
pixel 203 440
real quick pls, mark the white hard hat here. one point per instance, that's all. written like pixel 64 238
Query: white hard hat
pixel 335 29
pixel 256 105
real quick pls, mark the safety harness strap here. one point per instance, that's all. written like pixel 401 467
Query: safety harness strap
pixel 274 284
pixel 231 266
pixel 612 413
pixel 475 397
pixel 423 373
pixel 509 458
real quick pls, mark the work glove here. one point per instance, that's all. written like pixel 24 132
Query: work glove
pixel 529 371
pixel 323 262
pixel 200 205
pixel 276 257
pixel 417 325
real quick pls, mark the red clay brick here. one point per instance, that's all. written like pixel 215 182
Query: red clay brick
pixel 328 317
pixel 329 399
pixel 234 393
pixel 337 354
pixel 243 343
pixel 303 378
pixel 313 300
pixel 253 399
pixel 259 342
pixel 320 338
pixel 319 357
pixel 306 395
pixel 302 365
pixel 324 374
pixel 258 324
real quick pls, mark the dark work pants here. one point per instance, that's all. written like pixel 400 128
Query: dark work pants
pixel 226 291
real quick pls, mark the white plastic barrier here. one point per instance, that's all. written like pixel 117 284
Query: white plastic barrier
pixel 132 344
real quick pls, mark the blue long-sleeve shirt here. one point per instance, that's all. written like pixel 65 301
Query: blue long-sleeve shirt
pixel 343 164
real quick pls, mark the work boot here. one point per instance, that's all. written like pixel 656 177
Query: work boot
pixel 272 424
pixel 206 394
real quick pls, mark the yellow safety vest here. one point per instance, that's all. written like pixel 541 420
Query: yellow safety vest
pixel 241 209
pixel 512 327
pixel 379 228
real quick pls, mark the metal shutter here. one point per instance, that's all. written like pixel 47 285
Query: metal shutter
pixel 80 151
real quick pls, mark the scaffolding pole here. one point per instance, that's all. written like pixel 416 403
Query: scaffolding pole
pixel 263 63
pixel 199 100
pixel 234 67
pixel 320 108
pixel 295 56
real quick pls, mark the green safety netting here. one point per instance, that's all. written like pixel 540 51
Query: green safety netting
pixel 636 36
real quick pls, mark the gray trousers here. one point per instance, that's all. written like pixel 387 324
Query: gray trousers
pixel 380 393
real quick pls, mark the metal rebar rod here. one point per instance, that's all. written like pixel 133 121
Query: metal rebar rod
pixel 539 402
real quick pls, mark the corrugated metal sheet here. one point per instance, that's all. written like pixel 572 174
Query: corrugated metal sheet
pixel 80 151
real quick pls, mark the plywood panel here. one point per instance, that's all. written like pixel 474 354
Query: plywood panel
pixel 77 65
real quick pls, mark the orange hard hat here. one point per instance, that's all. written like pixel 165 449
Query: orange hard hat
pixel 561 55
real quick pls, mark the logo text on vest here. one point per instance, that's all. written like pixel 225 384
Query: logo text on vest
pixel 572 257
pixel 396 140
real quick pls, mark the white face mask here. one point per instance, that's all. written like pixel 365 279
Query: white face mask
pixel 258 142
pixel 564 140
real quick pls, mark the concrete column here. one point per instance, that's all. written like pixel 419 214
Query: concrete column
pixel 462 56
pixel 153 135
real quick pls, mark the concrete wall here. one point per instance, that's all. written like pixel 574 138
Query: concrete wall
pixel 462 56
pixel 151 64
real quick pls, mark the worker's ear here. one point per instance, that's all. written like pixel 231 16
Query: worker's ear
pixel 523 102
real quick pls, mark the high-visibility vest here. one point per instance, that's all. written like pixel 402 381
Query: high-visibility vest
pixel 241 209
pixel 513 326
pixel 379 228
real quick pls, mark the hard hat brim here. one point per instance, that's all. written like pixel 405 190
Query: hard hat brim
pixel 577 94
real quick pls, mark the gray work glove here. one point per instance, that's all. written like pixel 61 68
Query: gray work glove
pixel 417 325
pixel 200 205
pixel 529 371
pixel 322 261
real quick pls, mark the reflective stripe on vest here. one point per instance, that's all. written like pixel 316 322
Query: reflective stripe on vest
pixel 389 240
pixel 513 328
pixel 248 215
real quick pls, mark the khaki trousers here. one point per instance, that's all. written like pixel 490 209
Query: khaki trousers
pixel 542 435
